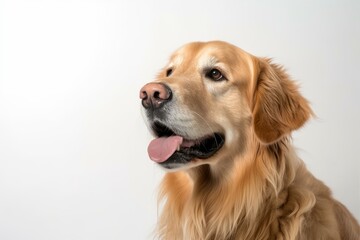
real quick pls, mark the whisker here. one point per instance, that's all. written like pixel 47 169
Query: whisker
pixel 208 125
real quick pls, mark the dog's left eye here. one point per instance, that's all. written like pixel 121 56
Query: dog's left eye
pixel 169 72
pixel 215 75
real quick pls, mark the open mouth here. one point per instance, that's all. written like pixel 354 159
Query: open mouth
pixel 171 150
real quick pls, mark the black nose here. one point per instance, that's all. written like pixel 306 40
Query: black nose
pixel 154 95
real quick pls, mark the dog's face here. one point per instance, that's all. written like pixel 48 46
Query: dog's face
pixel 206 102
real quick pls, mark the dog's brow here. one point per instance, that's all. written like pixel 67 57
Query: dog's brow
pixel 207 62
pixel 176 61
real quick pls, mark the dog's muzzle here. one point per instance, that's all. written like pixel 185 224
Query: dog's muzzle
pixel 169 148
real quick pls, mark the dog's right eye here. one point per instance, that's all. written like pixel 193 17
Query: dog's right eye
pixel 169 72
pixel 215 75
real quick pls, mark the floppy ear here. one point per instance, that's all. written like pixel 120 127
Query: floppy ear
pixel 278 106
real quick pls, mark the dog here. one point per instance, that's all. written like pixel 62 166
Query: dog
pixel 222 120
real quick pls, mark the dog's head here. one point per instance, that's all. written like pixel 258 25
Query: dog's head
pixel 211 98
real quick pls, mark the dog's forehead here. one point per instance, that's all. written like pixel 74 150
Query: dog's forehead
pixel 206 54
pixel 185 53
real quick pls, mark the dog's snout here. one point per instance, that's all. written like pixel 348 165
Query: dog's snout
pixel 154 95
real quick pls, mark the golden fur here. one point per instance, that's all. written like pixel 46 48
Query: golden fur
pixel 255 186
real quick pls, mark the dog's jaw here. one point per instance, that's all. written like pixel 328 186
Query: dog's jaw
pixel 173 151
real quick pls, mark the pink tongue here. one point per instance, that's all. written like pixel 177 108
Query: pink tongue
pixel 160 149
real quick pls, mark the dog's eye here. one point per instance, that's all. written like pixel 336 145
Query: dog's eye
pixel 169 72
pixel 215 74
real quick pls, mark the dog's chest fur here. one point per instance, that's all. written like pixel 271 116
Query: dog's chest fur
pixel 251 207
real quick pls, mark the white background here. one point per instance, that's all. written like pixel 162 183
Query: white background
pixel 73 161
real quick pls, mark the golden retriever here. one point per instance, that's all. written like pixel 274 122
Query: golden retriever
pixel 222 119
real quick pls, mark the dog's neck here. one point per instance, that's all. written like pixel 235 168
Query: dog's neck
pixel 272 157
pixel 242 197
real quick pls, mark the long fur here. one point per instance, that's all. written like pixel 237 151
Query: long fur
pixel 263 191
